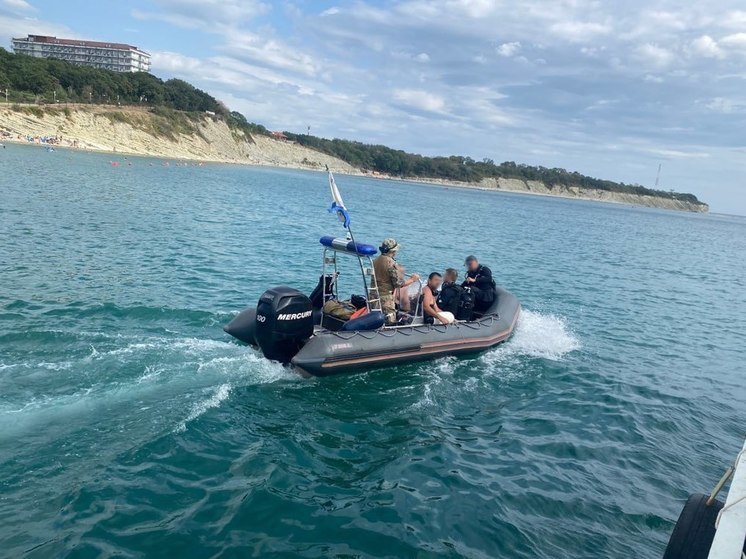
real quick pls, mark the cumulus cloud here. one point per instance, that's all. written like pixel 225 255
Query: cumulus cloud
pixel 439 76
pixel 655 56
pixel 420 99
pixel 735 19
pixel 579 31
pixel 509 49
pixel 736 41
pixel 707 47
pixel 269 51
pixel 572 83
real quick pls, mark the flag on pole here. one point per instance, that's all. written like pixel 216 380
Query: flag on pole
pixel 338 205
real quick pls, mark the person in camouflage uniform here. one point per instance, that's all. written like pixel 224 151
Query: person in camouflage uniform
pixel 389 278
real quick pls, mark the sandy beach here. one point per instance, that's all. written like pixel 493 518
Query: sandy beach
pixel 137 131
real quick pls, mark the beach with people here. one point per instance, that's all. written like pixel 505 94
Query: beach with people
pixel 139 131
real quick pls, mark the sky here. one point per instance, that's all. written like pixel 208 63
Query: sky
pixel 609 89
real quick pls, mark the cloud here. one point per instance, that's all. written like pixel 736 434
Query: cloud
pixel 214 14
pixel 736 41
pixel 655 56
pixel 420 100
pixel 269 51
pixel 509 49
pixel 680 154
pixel 13 25
pixel 734 20
pixel 21 5
pixel 579 31
pixel 707 47
pixel 605 88
pixel 228 19
pixel 726 105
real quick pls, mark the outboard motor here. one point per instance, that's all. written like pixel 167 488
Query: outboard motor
pixel 284 320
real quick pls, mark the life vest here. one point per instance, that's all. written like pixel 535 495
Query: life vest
pixel 358 313
pixel 449 297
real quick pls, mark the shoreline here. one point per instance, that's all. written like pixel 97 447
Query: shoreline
pixel 580 197
pixel 441 183
pixel 94 129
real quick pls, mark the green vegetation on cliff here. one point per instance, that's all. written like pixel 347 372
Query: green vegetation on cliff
pixel 42 81
pixel 399 163
pixel 46 80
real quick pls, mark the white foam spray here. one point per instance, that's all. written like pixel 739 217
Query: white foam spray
pixel 213 401
pixel 545 336
pixel 537 336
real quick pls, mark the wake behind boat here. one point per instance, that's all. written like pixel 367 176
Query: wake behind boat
pixel 318 337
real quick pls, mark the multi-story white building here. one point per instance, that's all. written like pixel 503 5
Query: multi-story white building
pixel 110 56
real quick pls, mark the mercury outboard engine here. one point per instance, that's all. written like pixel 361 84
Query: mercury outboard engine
pixel 284 321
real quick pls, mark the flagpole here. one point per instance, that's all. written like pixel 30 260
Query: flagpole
pixel 339 203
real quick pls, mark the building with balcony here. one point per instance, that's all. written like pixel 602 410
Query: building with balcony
pixel 109 56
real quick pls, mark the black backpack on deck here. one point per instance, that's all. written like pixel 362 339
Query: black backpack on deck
pixel 466 303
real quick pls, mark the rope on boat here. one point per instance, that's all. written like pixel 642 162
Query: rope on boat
pixel 719 486
pixel 733 504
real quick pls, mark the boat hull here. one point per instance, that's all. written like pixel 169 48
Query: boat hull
pixel 329 353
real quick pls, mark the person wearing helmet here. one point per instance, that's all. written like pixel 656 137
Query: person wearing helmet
pixel 390 277
pixel 479 280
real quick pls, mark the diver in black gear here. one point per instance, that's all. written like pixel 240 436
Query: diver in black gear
pixel 479 280
pixel 450 292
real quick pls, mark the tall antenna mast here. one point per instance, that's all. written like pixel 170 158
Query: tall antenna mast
pixel 658 176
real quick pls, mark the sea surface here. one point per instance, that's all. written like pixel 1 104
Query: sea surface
pixel 132 426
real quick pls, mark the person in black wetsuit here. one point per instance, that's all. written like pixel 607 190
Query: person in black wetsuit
pixel 479 280
pixel 450 292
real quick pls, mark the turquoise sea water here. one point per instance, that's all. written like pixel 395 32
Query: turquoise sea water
pixel 131 425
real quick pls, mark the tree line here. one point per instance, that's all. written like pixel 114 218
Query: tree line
pixel 398 163
pixel 33 79
pixel 48 80
pixel 40 80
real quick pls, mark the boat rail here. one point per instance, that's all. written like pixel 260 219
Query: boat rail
pixel 731 522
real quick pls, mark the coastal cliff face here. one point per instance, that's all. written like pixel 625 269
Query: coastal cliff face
pixel 140 132
pixel 536 187
pixel 174 135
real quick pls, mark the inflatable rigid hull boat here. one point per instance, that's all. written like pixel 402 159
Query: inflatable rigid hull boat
pixel 322 334
pixel 328 352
